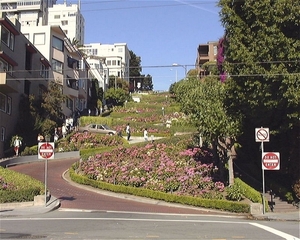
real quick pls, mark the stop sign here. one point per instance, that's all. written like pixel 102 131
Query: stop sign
pixel 271 160
pixel 46 150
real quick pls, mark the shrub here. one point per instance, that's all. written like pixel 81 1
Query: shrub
pixel 235 192
pixel 17 187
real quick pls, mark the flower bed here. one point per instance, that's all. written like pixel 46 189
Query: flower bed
pixel 157 167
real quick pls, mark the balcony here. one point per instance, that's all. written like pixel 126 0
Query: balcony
pixel 7 85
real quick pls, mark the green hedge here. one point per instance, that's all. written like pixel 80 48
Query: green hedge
pixel 225 205
pixel 22 187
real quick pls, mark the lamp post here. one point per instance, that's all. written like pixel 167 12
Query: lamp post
pixel 47 138
pixel 185 69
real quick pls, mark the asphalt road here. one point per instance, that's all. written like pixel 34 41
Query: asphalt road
pixel 74 197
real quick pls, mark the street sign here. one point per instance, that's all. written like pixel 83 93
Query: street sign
pixel 46 150
pixel 262 135
pixel 271 161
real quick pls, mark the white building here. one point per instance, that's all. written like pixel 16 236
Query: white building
pixel 27 12
pixel 115 56
pixel 70 19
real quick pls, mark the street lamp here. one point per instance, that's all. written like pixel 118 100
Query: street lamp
pixel 184 66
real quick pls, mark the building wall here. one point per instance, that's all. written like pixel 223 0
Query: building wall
pixel 28 12
pixel 205 53
pixel 117 57
pixel 20 80
pixel 70 19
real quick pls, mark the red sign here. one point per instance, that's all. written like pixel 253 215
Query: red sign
pixel 271 161
pixel 46 150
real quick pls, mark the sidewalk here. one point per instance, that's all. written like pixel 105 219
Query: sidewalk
pixel 28 208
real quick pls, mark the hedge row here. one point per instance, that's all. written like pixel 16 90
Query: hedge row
pixel 225 205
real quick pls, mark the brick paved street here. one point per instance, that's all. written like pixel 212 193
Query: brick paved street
pixel 78 198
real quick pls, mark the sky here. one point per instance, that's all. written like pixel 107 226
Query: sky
pixel 160 32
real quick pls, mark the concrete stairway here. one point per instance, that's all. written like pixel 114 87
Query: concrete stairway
pixel 279 205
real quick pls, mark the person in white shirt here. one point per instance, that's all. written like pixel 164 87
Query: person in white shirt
pixel 17 145
pixel 146 134
pixel 128 131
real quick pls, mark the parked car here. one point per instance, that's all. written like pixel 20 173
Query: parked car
pixel 97 128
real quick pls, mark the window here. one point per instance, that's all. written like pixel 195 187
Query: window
pixel 8 110
pixel 108 62
pixel 56 16
pixel 215 50
pixel 44 71
pixel 57 66
pixel 2 136
pixel 69 103
pixel 119 62
pixel 7 37
pixel 28 60
pixel 3 102
pixel 120 49
pixel 64 23
pixel 39 38
pixel 57 43
pixel 5 67
pixel 114 62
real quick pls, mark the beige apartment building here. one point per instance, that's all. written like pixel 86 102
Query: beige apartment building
pixel 206 53
pixel 69 68
pixel 23 71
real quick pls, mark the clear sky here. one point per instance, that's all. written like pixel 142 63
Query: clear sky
pixel 160 32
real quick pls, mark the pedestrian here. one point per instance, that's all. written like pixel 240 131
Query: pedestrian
pixel 40 138
pixel 64 130
pixel 56 136
pixel 128 131
pixel 145 134
pixel 17 145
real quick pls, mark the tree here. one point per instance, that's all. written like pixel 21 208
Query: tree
pixel 117 97
pixel 147 84
pixel 262 52
pixel 135 65
pixel 116 82
pixel 51 107
pixel 135 75
pixel 203 101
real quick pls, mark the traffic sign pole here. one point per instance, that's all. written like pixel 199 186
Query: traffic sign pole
pixel 263 177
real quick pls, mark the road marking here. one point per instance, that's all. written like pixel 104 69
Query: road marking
pixel 269 229
pixel 276 232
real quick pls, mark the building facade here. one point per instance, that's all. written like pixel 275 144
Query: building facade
pixel 24 71
pixel 206 53
pixel 69 68
pixel 116 57
pixel 27 12
pixel 70 19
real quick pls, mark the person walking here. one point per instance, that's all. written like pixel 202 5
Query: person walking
pixel 64 130
pixel 128 131
pixel 56 136
pixel 17 145
pixel 146 134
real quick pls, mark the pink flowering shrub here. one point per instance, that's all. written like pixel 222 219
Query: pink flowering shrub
pixel 88 140
pixel 158 167
pixel 5 185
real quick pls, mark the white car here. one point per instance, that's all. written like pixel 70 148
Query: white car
pixel 97 128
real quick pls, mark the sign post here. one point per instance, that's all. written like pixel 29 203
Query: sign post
pixel 46 151
pixel 262 135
